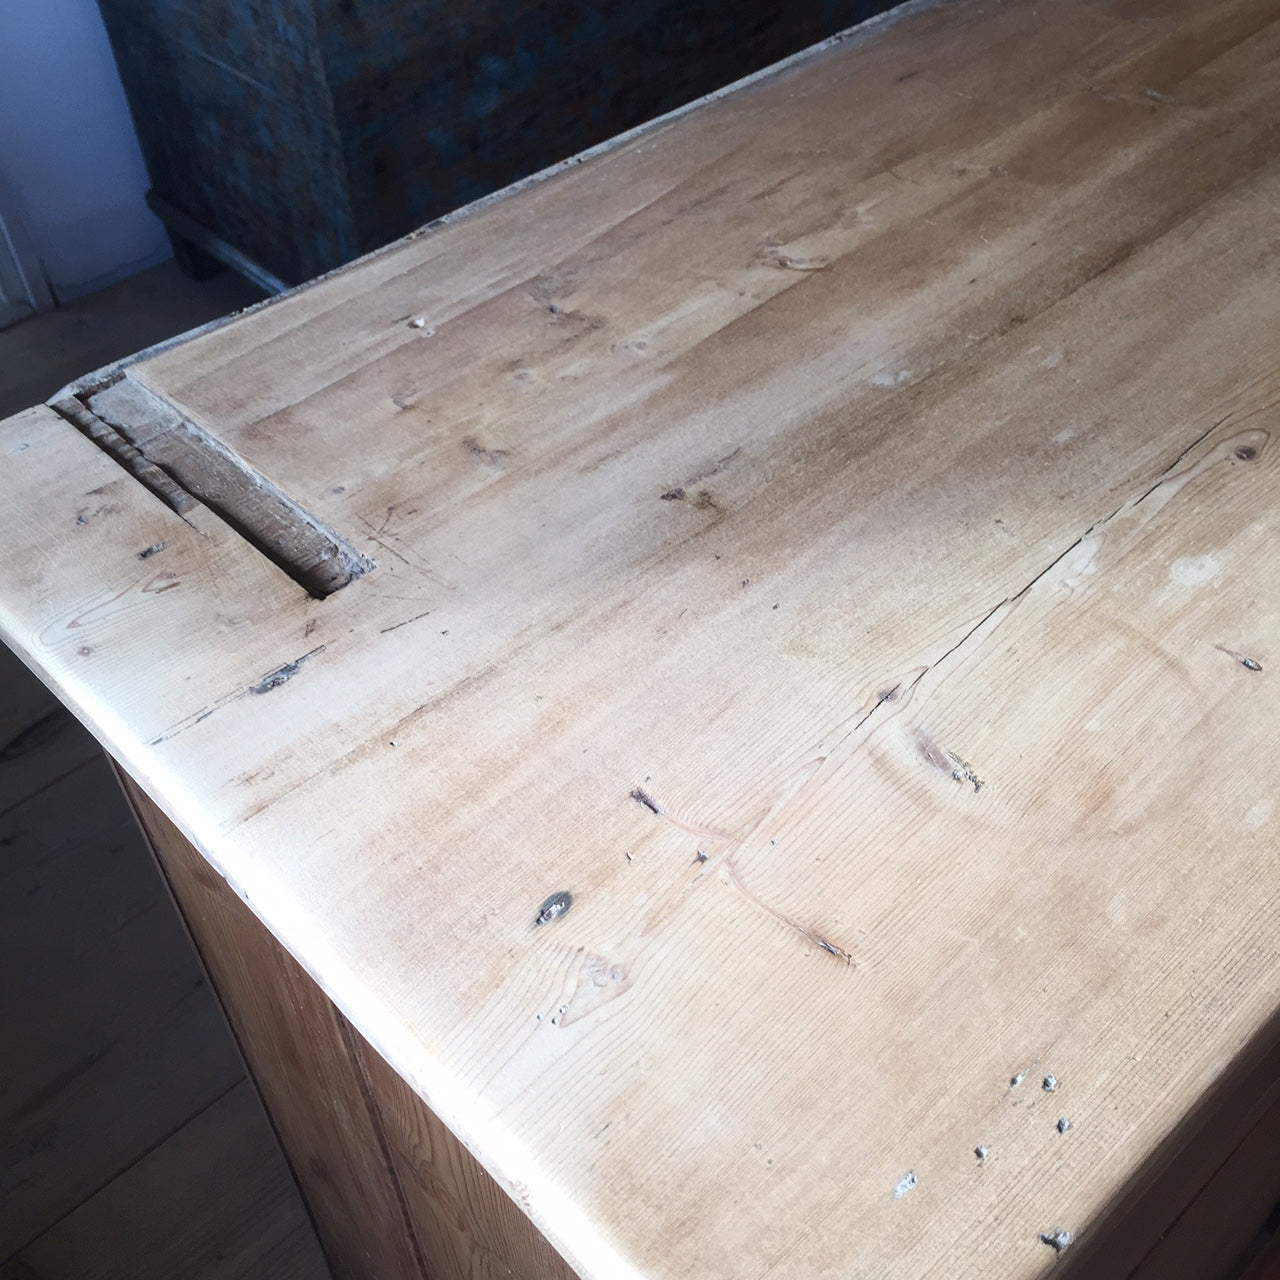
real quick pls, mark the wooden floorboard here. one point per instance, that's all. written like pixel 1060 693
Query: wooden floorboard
pixel 112 1038
pixel 42 355
pixel 131 1143
pixel 215 1201
pixel 40 740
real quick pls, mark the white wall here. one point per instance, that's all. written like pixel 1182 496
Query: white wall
pixel 71 175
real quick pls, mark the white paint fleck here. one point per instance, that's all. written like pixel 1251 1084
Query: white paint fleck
pixel 908 1182
pixel 1052 360
pixel 887 378
pixel 1258 815
pixel 1068 433
pixel 1194 571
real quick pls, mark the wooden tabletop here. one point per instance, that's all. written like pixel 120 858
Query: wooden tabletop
pixel 814 714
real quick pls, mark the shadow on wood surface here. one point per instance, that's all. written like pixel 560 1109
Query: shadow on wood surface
pixel 1222 1162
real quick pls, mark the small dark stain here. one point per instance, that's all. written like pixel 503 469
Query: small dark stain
pixel 493 457
pixel 946 761
pixel 904 77
pixel 282 675
pixel 641 796
pixel 154 549
pixel 554 907
pixel 1246 453
pixel 673 495
pixel 1248 663
pixel 395 626
pixel 85 650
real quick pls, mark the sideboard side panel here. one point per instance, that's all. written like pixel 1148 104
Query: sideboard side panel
pixel 299 1055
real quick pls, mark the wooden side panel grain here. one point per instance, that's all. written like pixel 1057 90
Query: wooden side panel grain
pixel 1265 1263
pixel 469 1227
pixel 1197 1209
pixel 298 1054
pixel 394 1192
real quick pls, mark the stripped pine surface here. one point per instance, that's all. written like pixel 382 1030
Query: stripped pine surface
pixel 813 713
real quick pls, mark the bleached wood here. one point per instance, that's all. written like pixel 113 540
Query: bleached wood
pixel 825 535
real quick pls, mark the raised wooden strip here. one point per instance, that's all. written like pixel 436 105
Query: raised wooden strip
pixel 828 537
pixel 183 464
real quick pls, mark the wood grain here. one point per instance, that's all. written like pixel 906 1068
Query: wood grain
pixel 830 536
pixel 468 1227
pixel 207 1201
pixel 111 1042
